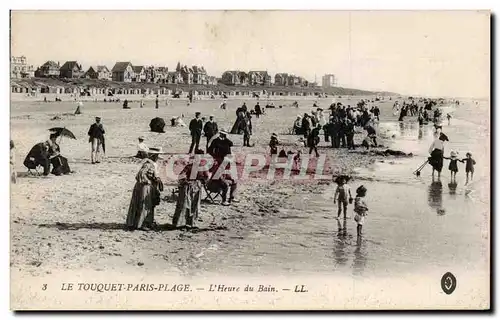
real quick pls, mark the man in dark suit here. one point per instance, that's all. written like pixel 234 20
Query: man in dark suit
pixel 258 110
pixel 210 129
pixel 196 127
pixel 96 138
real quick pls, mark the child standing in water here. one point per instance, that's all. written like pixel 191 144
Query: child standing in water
pixel 453 167
pixel 360 208
pixel 469 166
pixel 343 190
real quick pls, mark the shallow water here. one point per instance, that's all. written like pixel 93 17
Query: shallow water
pixel 414 223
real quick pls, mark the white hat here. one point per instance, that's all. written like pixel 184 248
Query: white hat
pixel 223 132
pixel 453 154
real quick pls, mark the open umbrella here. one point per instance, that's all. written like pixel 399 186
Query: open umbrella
pixel 62 132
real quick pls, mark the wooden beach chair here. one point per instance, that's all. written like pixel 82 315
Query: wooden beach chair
pixel 212 191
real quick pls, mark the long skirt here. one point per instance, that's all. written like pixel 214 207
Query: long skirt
pixel 436 160
pixel 60 165
pixel 188 204
pixel 141 209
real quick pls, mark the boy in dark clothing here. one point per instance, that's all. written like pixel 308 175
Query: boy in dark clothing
pixel 273 144
pixel 469 166
pixel 313 141
pixel 349 127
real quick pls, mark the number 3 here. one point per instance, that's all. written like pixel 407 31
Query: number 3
pixel 44 287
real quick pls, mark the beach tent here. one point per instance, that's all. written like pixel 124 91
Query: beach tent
pixel 157 125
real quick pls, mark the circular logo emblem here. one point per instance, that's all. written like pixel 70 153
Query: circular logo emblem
pixel 448 283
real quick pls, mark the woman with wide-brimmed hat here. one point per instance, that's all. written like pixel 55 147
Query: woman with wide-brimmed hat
pixel 436 151
pixel 146 194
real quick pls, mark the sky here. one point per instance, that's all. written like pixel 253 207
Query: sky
pixel 431 53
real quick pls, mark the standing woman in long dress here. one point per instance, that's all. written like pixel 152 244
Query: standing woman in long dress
pixel 188 204
pixel 437 151
pixel 145 196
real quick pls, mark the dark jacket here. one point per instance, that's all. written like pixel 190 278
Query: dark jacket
pixel 38 156
pixel 211 128
pixel 305 125
pixel 96 131
pixel 220 148
pixel 196 126
pixel 258 110
pixel 313 137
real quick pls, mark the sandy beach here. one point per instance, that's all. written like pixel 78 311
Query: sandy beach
pixel 76 221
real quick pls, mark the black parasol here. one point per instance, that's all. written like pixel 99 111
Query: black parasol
pixel 62 132
pixel 443 137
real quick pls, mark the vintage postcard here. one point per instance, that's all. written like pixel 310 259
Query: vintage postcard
pixel 250 160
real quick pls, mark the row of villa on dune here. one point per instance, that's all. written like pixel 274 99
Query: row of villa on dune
pixel 39 88
pixel 127 72
pixel 263 78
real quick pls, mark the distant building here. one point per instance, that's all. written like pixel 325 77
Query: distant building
pixel 156 74
pixel 139 74
pixel 187 75
pixel 230 78
pixel 281 79
pixel 98 72
pixel 199 75
pixel 174 77
pixel 71 70
pixel 48 69
pixel 212 81
pixel 329 80
pixel 19 68
pixel 123 72
pixel 259 78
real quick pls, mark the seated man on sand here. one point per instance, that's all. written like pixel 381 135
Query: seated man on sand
pixel 142 149
pixel 38 156
pixel 225 183
pixel 177 122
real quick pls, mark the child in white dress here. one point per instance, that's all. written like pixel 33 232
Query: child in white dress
pixel 360 208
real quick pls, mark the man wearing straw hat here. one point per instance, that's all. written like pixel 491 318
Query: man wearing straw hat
pixel 96 138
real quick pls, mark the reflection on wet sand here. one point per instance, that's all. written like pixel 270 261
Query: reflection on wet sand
pixel 435 196
pixel 453 188
pixel 360 257
pixel 340 243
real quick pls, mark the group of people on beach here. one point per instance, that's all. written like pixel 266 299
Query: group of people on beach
pixel 340 127
pixel 146 194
